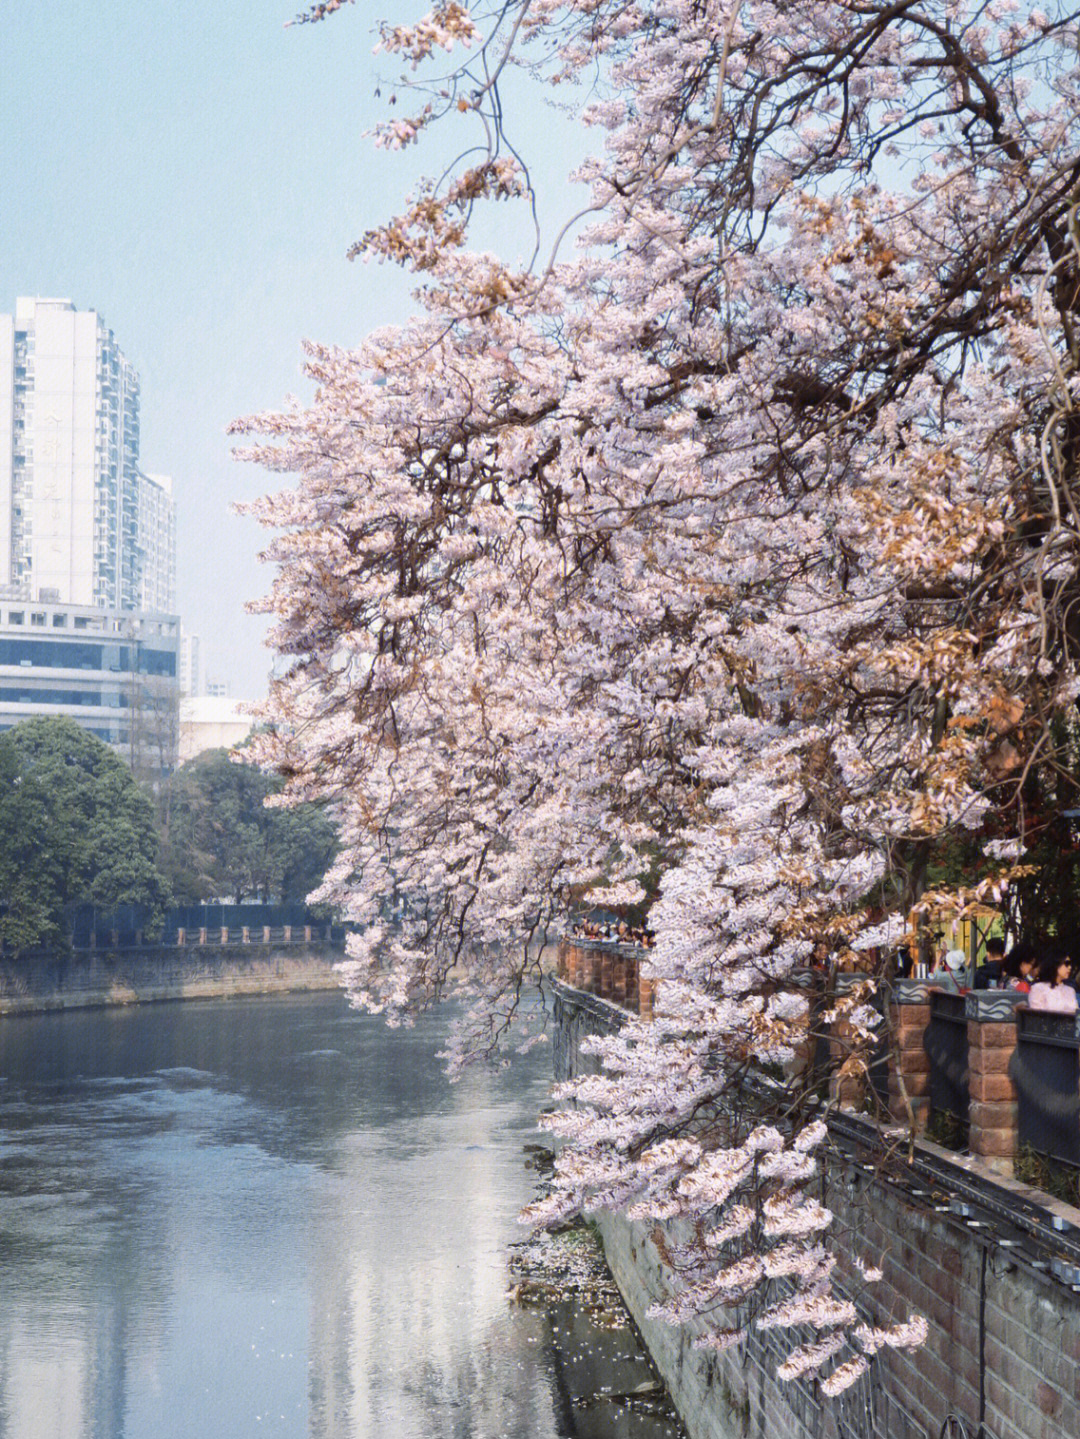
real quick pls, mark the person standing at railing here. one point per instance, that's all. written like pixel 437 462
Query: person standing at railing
pixel 948 971
pixel 1053 990
pixel 989 975
pixel 1018 968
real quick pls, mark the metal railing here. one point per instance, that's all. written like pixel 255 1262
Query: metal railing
pixel 946 1045
pixel 1045 1070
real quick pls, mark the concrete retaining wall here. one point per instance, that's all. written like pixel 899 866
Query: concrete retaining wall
pixel 86 980
pixel 1004 1337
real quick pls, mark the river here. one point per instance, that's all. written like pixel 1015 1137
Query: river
pixel 275 1217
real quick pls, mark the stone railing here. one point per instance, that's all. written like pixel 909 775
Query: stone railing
pixel 993 1265
pixel 983 1071
pixel 608 970
pixel 975 1071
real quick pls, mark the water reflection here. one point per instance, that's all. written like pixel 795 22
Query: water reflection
pixel 272 1217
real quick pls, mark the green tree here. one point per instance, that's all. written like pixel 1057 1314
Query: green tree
pixel 222 840
pixel 74 827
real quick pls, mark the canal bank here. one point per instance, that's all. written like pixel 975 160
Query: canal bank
pixel 82 979
pixel 274 1217
pixel 985 1259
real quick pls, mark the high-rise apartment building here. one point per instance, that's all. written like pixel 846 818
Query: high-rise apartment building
pixel 79 521
pixel 87 540
pixel 190 668
pixel 157 544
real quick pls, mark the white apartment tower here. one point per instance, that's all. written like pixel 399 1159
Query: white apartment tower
pixel 156 544
pixel 190 668
pixel 87 541
pixel 79 522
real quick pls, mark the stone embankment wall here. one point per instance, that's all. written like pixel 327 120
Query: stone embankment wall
pixel 1004 1343
pixel 86 980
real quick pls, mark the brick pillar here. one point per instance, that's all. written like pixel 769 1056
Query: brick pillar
pixel 591 980
pixel 224 934
pixel 846 1090
pixel 245 935
pixel 266 934
pixel 576 967
pixel 181 936
pixel 646 995
pixel 607 970
pixel 623 968
pixel 991 1027
pixel 202 935
pixel 286 931
pixel 307 933
pixel 909 1014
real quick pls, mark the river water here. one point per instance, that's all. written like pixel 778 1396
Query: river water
pixel 274 1217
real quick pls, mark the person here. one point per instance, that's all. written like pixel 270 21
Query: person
pixel 1053 990
pixel 1018 968
pixel 948 970
pixel 990 974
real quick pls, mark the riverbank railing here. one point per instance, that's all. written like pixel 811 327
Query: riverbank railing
pixel 609 970
pixel 130 927
pixel 946 1044
pixel 116 941
pixel 1045 1072
pixel 975 1071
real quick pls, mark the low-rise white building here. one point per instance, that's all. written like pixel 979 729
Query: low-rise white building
pixel 211 722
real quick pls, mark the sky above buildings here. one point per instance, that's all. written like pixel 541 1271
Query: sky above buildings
pixel 195 172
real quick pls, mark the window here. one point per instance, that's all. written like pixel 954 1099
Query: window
pixel 54 654
pixel 69 698
pixel 59 622
pixel 37 618
pixel 157 662
pixel 16 617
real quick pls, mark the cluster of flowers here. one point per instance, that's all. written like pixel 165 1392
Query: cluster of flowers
pixel 739 549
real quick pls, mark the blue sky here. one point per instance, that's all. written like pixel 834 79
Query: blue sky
pixel 195 172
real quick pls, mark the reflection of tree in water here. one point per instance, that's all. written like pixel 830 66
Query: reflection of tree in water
pixel 158 1155
pixel 543 1373
pixel 411 1333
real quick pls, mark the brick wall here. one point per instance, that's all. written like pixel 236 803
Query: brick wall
pixel 1026 1350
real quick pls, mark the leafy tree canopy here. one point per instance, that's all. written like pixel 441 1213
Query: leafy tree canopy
pixel 74 826
pixel 222 840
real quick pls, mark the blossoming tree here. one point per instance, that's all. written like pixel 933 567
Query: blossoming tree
pixel 745 535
